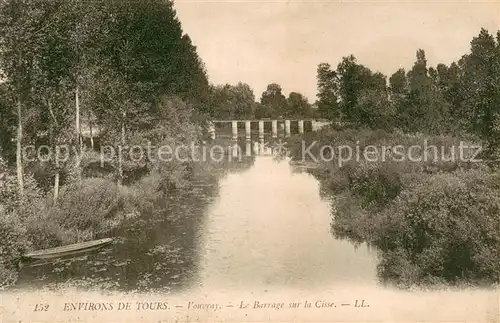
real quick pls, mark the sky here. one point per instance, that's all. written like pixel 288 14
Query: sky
pixel 260 42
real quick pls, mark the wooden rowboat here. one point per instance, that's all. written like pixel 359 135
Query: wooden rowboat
pixel 68 249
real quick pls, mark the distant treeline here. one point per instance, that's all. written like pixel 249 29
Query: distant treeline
pixel 461 97
pixel 239 102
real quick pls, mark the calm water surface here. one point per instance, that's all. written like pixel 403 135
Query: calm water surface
pixel 263 226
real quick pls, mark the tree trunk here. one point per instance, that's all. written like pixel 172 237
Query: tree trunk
pixel 77 133
pixel 120 151
pixel 19 162
pixel 90 129
pixel 54 145
pixel 56 177
pixel 56 186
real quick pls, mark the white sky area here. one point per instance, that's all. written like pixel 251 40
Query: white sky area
pixel 259 42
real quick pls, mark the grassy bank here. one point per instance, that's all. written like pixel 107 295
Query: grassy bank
pixel 433 221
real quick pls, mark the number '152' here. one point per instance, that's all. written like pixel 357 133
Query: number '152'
pixel 41 307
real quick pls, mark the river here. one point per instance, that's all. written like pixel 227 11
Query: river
pixel 261 226
pixel 269 228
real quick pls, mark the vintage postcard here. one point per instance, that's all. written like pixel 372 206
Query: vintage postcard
pixel 249 161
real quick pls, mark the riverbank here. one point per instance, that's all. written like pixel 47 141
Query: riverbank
pixel 434 220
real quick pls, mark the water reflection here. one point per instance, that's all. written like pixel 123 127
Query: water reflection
pixel 270 228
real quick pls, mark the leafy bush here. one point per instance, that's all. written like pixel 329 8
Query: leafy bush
pixel 93 165
pixel 351 221
pixel 446 227
pixel 11 201
pixel 85 205
pixel 142 195
pixel 44 233
pixel 376 183
pixel 13 243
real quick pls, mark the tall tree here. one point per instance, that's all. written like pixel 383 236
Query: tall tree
pixel 55 82
pixel 449 80
pixel 398 97
pixel 423 108
pixel 297 106
pixel 363 95
pixel 373 107
pixel 481 85
pixel 142 56
pixel 327 83
pixel 232 102
pixel 20 35
pixel 146 45
pixel 274 99
pixel 8 122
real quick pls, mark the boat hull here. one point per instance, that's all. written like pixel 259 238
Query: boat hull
pixel 68 250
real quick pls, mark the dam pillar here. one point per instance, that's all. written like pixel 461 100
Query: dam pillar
pixel 301 126
pixel 248 148
pixel 287 128
pixel 274 124
pixel 211 129
pixel 261 136
pixel 314 125
pixel 248 132
pixel 234 128
pixel 248 138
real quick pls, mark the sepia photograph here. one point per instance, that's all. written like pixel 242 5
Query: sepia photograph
pixel 249 161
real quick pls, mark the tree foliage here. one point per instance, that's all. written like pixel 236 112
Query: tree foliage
pixel 232 101
pixel 274 99
pixel 461 97
pixel 121 56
